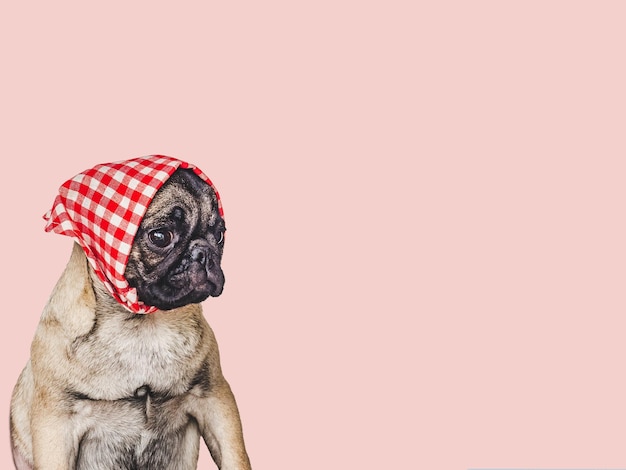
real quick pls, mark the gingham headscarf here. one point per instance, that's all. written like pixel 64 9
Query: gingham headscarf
pixel 101 209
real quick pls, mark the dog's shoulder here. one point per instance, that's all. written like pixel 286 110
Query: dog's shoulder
pixel 69 313
pixel 72 304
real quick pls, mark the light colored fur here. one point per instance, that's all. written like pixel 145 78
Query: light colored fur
pixel 78 405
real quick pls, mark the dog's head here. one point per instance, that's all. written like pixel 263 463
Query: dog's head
pixel 176 254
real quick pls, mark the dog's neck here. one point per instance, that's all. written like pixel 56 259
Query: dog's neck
pixel 104 300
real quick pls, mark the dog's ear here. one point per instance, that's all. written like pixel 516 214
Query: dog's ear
pixel 73 300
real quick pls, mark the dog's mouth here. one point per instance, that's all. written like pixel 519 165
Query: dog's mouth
pixel 194 275
pixel 188 283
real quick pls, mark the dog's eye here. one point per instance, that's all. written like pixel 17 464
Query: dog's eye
pixel 161 238
pixel 220 239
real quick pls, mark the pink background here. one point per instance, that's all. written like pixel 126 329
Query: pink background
pixel 426 257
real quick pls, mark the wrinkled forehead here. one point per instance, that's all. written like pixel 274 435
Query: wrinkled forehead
pixel 185 190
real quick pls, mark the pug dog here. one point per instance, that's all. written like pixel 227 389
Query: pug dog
pixel 108 389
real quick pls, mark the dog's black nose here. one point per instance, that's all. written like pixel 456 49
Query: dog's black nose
pixel 200 254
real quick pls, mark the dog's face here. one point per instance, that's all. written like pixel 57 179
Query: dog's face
pixel 175 258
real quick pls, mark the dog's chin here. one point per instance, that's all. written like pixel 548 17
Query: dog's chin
pixel 164 297
pixel 171 304
pixel 182 289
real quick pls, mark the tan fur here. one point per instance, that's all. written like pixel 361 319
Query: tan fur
pixel 87 345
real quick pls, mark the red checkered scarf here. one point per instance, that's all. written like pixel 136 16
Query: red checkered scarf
pixel 101 209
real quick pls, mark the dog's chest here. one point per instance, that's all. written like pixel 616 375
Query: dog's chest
pixel 136 384
pixel 146 431
pixel 137 357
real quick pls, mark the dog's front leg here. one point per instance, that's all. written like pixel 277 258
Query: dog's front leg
pixel 55 442
pixel 220 425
